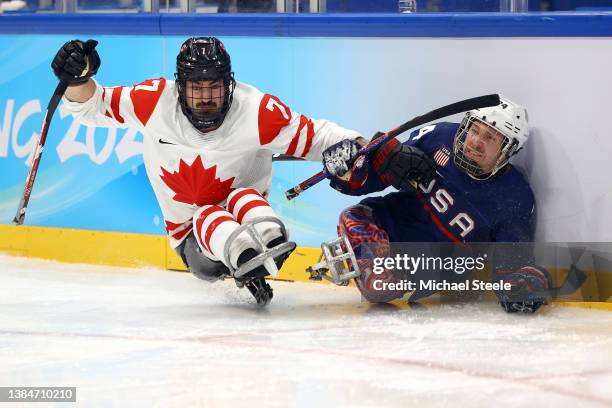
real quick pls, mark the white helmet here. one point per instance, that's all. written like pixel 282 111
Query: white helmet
pixel 509 119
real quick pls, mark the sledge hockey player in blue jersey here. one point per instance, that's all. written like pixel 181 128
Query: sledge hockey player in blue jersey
pixel 456 185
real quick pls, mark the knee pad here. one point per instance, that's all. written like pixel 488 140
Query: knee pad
pixel 367 238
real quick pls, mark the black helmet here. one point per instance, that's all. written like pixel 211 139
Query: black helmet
pixel 204 59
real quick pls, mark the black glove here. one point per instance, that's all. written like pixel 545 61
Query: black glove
pixel 402 165
pixel 339 157
pixel 76 62
pixel 528 284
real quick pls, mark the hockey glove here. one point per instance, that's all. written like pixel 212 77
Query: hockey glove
pixel 402 165
pixel 76 62
pixel 339 157
pixel 354 183
pixel 526 283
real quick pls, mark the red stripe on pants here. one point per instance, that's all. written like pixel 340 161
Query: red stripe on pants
pixel 200 222
pixel 249 206
pixel 238 196
pixel 213 226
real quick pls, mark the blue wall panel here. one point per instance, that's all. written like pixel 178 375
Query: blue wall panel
pixel 314 25
pixel 364 72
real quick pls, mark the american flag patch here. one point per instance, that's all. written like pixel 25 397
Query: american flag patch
pixel 442 156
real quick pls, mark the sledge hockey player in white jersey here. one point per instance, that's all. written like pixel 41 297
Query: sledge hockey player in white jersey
pixel 208 145
pixel 467 192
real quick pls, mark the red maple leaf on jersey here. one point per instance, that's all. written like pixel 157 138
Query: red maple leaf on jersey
pixel 196 184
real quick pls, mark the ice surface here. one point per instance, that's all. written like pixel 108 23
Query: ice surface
pixel 143 337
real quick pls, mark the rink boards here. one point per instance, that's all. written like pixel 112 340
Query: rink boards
pixel 142 250
pixel 117 249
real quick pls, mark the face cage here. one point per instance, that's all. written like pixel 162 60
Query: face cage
pixel 205 121
pixel 470 167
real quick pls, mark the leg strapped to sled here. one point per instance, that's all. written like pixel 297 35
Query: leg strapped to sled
pixel 334 264
pixel 266 255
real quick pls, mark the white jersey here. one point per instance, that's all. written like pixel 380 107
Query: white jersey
pixel 189 169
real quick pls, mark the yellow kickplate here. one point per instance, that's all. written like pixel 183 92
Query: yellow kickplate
pixel 84 246
pixel 138 250
pixel 118 249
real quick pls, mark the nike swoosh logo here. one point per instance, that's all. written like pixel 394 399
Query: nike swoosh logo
pixel 164 142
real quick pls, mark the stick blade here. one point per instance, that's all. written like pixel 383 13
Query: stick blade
pixel 291 194
pixel 573 281
pixel 19 217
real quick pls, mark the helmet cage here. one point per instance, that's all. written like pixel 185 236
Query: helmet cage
pixel 508 148
pixel 204 59
pixel 206 120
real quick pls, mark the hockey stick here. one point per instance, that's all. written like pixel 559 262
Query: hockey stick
pixel 27 191
pixel 573 281
pixel 278 157
pixel 88 47
pixel 448 110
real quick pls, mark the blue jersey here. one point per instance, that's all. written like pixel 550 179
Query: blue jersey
pixel 454 206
